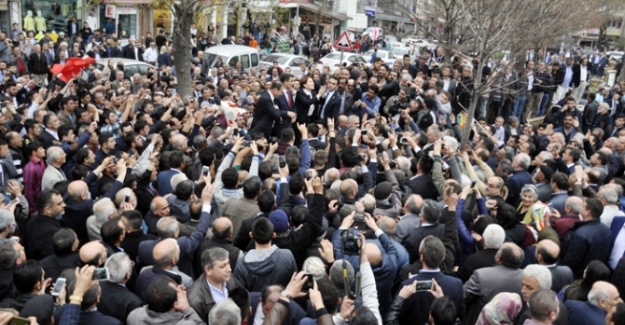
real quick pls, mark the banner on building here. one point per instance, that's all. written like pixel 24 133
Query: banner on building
pixel 371 7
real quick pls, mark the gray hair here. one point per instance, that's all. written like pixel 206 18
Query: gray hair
pixel 539 272
pixel 435 130
pixel 609 195
pixel 103 209
pixel 52 154
pixel 177 179
pixel 523 160
pixel 119 265
pixel 494 236
pixel 596 294
pixel 336 273
pixel 8 254
pixel 573 204
pixel 431 211
pixel 368 201
pixel 530 188
pixel 7 219
pixel 225 313
pixel 451 143
pixel 546 155
pixel 412 205
pixel 167 227
pixel 331 174
pixel 315 266
pixel 213 255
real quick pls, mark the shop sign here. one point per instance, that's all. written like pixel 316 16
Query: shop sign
pixel 109 11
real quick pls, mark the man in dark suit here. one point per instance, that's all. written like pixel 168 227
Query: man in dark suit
pixel 89 315
pixel 547 252
pixel 330 104
pixel 134 233
pixel 37 63
pixel 267 111
pixel 79 204
pixel 116 49
pixel 493 236
pixel 72 28
pixel 116 300
pixel 286 103
pixel 187 244
pixel 518 179
pixel 430 215
pixel 588 240
pixel 602 298
pixel 40 230
pixel 422 183
pixel 177 165
pixel 65 255
pixel 415 309
pixel 222 238
pixel 487 282
pixel 133 51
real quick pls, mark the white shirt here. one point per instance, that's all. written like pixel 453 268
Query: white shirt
pixel 618 250
pixel 150 55
pixel 583 73
pixel 530 81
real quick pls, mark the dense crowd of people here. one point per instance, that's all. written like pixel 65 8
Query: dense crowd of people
pixel 336 195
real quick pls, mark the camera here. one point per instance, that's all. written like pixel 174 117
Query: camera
pixel 350 240
pixel 308 175
pixel 359 221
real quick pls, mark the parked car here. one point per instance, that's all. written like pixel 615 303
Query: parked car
pixel 616 55
pixel 284 60
pixel 231 54
pixel 130 66
pixel 399 53
pixel 386 56
pixel 333 60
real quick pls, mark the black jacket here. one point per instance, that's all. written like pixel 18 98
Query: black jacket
pixel 117 301
pixel 38 236
pixel 130 244
pixel 54 265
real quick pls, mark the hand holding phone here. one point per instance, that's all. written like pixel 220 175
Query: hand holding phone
pixel 58 286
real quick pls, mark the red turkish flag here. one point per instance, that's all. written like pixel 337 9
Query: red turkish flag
pixel 71 68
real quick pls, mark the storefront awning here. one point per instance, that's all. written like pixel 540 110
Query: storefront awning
pixel 315 8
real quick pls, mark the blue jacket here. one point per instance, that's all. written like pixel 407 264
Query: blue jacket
pixel 585 242
pixel 583 313
pixel 384 273
pixel 163 181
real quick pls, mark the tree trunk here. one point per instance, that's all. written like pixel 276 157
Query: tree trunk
pixel 475 97
pixel 182 47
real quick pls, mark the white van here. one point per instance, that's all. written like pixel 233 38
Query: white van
pixel 231 54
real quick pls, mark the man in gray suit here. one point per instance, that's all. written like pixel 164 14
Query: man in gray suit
pixel 410 221
pixel 487 282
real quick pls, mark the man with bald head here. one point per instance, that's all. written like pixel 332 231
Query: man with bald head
pixel 410 220
pixel 487 282
pixel 166 255
pixel 93 253
pixel 169 228
pixel 222 237
pixel 547 253
pixel 601 299
pixel 158 208
pixel 78 207
pixel 349 191
pixel 572 210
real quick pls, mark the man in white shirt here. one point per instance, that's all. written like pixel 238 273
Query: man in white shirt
pixel 151 54
pixel 580 78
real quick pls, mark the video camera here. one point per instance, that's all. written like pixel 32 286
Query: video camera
pixel 350 242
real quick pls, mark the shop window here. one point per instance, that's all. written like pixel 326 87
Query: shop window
pixel 56 14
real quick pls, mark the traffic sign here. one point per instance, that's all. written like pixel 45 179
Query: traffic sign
pixel 343 43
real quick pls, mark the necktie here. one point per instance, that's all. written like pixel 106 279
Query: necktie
pixel 342 103
pixel 289 99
